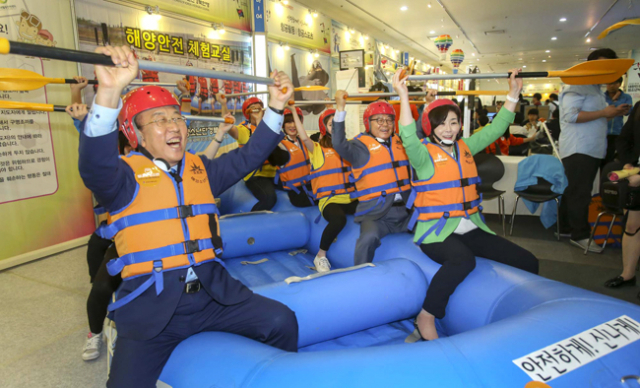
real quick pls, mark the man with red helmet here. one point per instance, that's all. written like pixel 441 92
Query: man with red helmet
pixel 380 170
pixel 162 207
pixel 450 229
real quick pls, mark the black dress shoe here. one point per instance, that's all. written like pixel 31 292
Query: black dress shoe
pixel 619 281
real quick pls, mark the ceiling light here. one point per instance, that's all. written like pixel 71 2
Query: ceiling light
pixel 544 60
pixel 549 56
pixel 315 14
pixel 547 51
pixel 366 37
pixel 403 8
pixel 588 40
pixel 397 51
pixel 218 27
pixel 473 54
pixel 285 2
pixel 524 66
pixel 519 59
pixel 429 5
pixel 352 31
pixel 432 32
pixel 554 38
pixel 563 19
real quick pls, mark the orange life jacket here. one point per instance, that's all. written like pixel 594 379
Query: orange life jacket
pixel 333 177
pixel 166 225
pixel 265 165
pixel 450 192
pixel 228 87
pixel 386 172
pixel 204 88
pixel 296 172
pixel 192 84
pixel 150 76
pixel 213 86
pixel 237 86
pixel 245 87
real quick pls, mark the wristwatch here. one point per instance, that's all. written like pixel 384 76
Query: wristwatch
pixel 278 111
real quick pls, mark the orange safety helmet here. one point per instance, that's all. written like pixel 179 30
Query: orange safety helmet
pixel 298 111
pixel 138 100
pixel 426 123
pixel 323 116
pixel 247 103
pixel 377 108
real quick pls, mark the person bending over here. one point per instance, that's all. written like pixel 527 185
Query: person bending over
pixel 450 229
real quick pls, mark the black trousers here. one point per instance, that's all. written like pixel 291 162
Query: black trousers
pixel 457 254
pixel 96 249
pixel 301 199
pixel 336 215
pixel 265 192
pixel 611 150
pixel 104 285
pixel 139 363
pixel 581 170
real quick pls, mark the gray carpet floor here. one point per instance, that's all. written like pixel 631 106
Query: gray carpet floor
pixel 43 308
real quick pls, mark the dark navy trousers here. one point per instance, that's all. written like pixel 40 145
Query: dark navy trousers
pixel 139 363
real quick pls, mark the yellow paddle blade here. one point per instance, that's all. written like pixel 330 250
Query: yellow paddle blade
pixel 603 71
pixel 363 98
pixel 310 88
pixel 395 102
pixel 20 79
pixel 617 26
pixel 25 106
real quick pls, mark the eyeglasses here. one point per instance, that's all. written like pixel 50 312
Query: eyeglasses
pixel 382 121
pixel 164 122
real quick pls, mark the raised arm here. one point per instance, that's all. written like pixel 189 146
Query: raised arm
pixel 302 134
pixel 417 153
pixel 100 167
pixel 229 168
pixel 354 152
pixel 212 149
pixel 503 119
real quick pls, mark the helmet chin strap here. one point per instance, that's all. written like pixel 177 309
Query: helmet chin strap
pixel 442 141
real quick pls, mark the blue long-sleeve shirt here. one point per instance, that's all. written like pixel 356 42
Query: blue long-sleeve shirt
pixel 614 126
pixel 112 180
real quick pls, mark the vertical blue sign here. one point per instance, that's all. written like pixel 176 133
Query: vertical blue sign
pixel 258 16
pixel 405 58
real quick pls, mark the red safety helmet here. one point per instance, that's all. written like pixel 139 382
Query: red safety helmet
pixel 426 123
pixel 377 108
pixel 298 111
pixel 323 116
pixel 138 100
pixel 247 103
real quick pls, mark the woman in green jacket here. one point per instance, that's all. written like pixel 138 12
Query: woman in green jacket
pixel 450 229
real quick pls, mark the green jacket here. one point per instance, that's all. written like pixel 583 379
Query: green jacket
pixel 420 161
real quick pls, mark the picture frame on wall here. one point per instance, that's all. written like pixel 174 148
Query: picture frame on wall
pixel 351 59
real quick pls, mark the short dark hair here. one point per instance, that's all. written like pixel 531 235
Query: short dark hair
pixel 602 53
pixel 483 120
pixel 413 89
pixel 618 81
pixel 122 142
pixel 538 96
pixel 533 111
pixel 438 115
pixel 553 96
pixel 287 119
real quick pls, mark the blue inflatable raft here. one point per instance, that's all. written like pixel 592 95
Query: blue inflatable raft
pixel 504 327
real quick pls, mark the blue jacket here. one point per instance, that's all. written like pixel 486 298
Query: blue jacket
pixel 549 168
pixel 113 183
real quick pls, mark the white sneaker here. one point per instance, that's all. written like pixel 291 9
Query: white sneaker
pixel 322 264
pixel 595 248
pixel 92 347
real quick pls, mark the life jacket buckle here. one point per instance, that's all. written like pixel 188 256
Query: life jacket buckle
pixel 191 246
pixel 185 211
pixel 467 205
pixel 464 182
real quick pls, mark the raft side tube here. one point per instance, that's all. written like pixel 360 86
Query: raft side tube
pixel 339 304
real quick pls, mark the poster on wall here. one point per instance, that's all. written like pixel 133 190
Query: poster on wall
pixel 233 13
pixel 40 187
pixel 298 25
pixel 175 42
pixel 344 38
pixel 305 69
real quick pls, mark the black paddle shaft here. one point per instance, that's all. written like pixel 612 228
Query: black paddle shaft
pixel 61 54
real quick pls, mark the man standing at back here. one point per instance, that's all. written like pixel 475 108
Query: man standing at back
pixel 163 212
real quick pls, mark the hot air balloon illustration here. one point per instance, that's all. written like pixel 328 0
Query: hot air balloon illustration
pixel 443 42
pixel 457 56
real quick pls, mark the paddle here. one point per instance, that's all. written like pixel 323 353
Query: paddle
pixel 20 80
pixel 310 88
pixel 35 50
pixel 330 102
pixel 603 71
pixel 61 108
pixel 358 97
